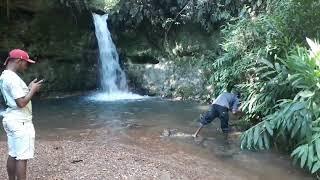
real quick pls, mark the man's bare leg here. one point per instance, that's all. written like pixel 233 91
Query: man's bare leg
pixel 21 169
pixel 11 168
pixel 198 130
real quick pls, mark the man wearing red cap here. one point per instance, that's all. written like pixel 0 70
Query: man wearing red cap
pixel 17 119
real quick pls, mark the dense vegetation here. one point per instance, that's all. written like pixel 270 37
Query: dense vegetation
pixel 263 52
pixel 265 55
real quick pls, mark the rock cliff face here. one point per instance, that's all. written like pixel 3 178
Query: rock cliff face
pixel 61 39
pixel 177 70
pixel 169 80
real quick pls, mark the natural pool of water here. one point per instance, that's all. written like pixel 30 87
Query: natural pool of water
pixel 150 117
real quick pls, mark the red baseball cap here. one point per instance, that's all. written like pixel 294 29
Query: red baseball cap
pixel 19 54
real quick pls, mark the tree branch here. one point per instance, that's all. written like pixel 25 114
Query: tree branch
pixel 174 20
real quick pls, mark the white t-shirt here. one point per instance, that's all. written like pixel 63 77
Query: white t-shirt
pixel 13 87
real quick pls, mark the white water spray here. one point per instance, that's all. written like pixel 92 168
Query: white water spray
pixel 112 78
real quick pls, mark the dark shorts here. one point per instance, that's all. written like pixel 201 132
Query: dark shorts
pixel 216 111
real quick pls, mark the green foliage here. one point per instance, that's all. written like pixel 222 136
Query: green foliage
pixel 248 40
pixel 280 81
pixel 253 39
pixel 295 121
pixel 160 15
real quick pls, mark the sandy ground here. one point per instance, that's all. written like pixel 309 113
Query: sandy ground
pixel 94 157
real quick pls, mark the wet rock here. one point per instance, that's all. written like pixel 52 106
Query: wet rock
pixel 76 161
pixel 168 132
pixel 174 133
pixel 167 79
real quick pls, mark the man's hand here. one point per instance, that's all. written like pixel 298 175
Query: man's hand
pixel 35 86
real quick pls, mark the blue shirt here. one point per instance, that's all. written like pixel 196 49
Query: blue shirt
pixel 228 100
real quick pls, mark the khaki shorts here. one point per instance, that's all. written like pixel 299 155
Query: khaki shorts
pixel 20 139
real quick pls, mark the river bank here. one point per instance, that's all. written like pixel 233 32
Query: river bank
pixel 104 154
pixel 90 158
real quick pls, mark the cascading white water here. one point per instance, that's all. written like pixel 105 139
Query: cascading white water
pixel 112 78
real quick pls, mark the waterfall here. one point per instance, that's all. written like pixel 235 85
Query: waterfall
pixel 113 80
